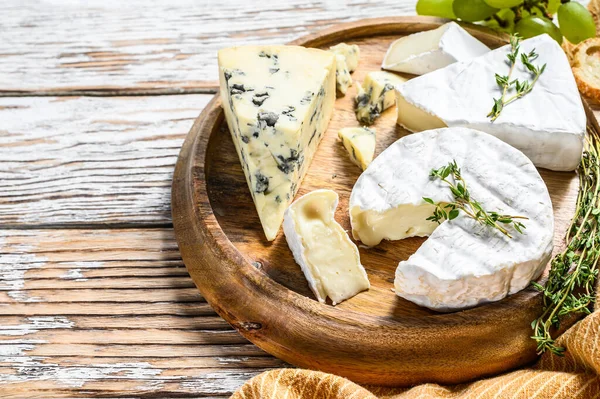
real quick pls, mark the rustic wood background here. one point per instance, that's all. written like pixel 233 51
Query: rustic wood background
pixel 96 98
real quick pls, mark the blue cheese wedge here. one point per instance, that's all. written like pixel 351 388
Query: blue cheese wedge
pixel 360 144
pixel 329 259
pixel 350 52
pixel 375 95
pixel 342 75
pixel 427 51
pixel 278 101
pixel 548 124
pixel 463 263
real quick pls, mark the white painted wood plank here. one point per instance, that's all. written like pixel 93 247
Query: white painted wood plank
pixel 81 160
pixel 67 45
pixel 108 333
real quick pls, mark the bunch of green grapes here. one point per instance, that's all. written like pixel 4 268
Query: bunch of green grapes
pixel 527 17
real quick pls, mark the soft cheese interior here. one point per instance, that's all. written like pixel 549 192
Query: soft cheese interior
pixel 329 259
pixel 462 263
pixel 548 124
pixel 278 101
pixel 424 52
pixel 360 144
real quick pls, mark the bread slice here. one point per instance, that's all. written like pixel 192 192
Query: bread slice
pixel 586 67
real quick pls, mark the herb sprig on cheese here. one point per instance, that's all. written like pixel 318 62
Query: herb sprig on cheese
pixel 521 87
pixel 464 202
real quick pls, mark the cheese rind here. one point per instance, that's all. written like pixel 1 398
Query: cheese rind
pixel 548 124
pixel 329 259
pixel 375 95
pixel 427 51
pixel 360 144
pixel 351 53
pixel 462 263
pixel 278 101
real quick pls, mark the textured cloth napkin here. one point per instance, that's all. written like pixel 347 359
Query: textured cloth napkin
pixel 576 376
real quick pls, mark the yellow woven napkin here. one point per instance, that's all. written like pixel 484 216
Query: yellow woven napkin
pixel 576 375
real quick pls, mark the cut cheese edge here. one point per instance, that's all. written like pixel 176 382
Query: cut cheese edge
pixel 427 51
pixel 548 124
pixel 342 75
pixel 350 52
pixel 328 258
pixel 375 95
pixel 278 101
pixel 360 144
pixel 462 263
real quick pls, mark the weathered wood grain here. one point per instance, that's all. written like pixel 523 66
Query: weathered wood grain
pixel 83 160
pixel 110 47
pixel 109 311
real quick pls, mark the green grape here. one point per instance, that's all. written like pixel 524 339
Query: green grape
pixel 576 22
pixel 504 3
pixel 552 6
pixel 532 26
pixel 508 16
pixel 436 8
pixel 472 10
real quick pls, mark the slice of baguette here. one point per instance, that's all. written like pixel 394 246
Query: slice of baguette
pixel 586 67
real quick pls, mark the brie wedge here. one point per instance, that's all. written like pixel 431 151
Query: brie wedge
pixel 463 263
pixel 360 144
pixel 548 124
pixel 278 101
pixel 424 52
pixel 375 95
pixel 351 53
pixel 329 259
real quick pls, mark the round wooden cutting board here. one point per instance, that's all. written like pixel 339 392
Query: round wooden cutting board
pixel 375 337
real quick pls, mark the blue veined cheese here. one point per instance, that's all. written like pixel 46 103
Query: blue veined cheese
pixel 278 101
pixel 375 95
pixel 351 53
pixel 329 259
pixel 548 124
pixel 463 263
pixel 360 144
pixel 427 51
pixel 342 75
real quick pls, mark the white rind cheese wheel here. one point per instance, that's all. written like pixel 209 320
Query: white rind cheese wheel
pixel 463 263
pixel 548 124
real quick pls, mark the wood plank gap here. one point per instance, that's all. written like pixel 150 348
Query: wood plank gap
pixel 211 88
pixel 89 226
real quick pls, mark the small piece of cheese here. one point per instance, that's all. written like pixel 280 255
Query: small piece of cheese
pixel 360 144
pixel 375 95
pixel 350 51
pixel 463 263
pixel 329 259
pixel 548 124
pixel 278 101
pixel 342 75
pixel 424 52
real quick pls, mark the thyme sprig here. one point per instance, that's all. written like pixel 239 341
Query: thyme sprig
pixel 573 272
pixel 464 202
pixel 523 87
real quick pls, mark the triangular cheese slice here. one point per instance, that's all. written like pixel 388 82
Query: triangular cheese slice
pixel 278 101
pixel 548 124
pixel 427 51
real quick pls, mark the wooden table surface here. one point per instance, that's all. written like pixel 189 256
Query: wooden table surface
pixel 96 98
